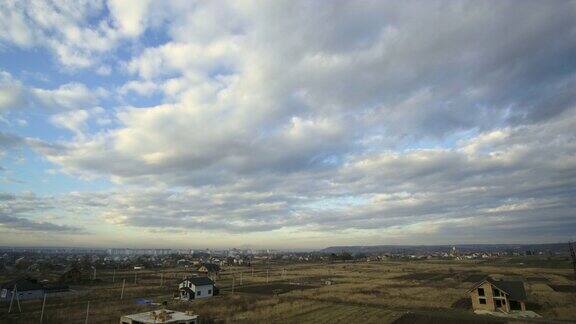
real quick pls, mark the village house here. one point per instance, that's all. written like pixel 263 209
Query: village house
pixel 25 289
pixel 28 288
pixel 498 295
pixel 71 275
pixel 196 287
pixel 160 316
pixel 209 268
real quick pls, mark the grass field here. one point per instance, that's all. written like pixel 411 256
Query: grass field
pixel 375 292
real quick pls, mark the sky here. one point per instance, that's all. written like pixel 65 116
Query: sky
pixel 286 124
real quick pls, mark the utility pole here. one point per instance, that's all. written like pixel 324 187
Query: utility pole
pixel 17 298
pixel 43 304
pixel 12 299
pixel 87 311
pixel 573 256
pixel 122 293
pixel 114 276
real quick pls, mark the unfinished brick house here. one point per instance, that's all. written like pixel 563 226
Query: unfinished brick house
pixel 498 295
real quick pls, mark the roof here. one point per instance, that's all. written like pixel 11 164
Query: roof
pixel 211 267
pixel 161 316
pixel 22 284
pixel 73 268
pixel 200 281
pixel 514 288
pixel 56 288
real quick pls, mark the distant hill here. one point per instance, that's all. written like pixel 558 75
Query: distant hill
pixel 415 249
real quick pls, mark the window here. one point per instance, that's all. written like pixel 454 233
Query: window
pixel 482 301
pixel 209 291
pixel 498 303
pixel 481 292
pixel 496 292
pixel 198 293
pixel 503 301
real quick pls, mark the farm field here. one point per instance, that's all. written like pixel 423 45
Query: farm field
pixel 363 292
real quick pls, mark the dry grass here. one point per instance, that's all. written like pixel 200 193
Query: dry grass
pixel 360 292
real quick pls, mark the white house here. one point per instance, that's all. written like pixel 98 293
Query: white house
pixel 196 287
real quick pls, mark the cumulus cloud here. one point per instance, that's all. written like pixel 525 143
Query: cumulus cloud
pixel 57 25
pixel 309 99
pixel 130 16
pixel 77 33
pixel 515 182
pixel 67 96
pixel 11 92
pixel 14 95
pixel 77 121
pixel 432 118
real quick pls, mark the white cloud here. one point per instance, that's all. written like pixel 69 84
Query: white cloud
pixel 143 88
pixel 187 58
pixel 129 15
pixel 67 96
pixel 72 31
pixel 11 92
pixel 413 114
pixel 77 120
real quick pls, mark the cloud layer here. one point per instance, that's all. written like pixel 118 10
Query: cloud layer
pixel 378 119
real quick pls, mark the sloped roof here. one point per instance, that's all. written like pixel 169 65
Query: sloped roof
pixel 514 288
pixel 72 268
pixel 200 281
pixel 211 267
pixel 22 284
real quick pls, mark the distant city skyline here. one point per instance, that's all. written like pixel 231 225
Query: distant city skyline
pixel 286 124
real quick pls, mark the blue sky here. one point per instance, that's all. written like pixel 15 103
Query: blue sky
pixel 296 124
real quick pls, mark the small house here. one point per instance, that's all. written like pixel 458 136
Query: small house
pixel 498 295
pixel 160 316
pixel 196 287
pixel 209 268
pixel 23 289
pixel 71 275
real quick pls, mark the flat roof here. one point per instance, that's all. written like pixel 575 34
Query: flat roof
pixel 153 316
